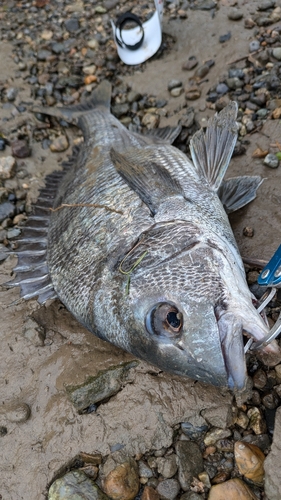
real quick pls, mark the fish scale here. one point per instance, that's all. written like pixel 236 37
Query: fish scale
pixel 138 245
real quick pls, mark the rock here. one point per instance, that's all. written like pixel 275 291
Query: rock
pixel 122 483
pixel 249 23
pixel 72 25
pixel 272 463
pixel 249 460
pixel 218 417
pixel 89 70
pixel 13 233
pixel 7 210
pixel 234 489
pixel 75 485
pixel 248 232
pixel 271 161
pixel 221 477
pixel 16 412
pixel 242 420
pixel 11 93
pixel 190 63
pixel 43 55
pixel 222 88
pixel 190 462
pixel 149 493
pixel 174 84
pixel 105 384
pixel 93 44
pixel 91 458
pixel 276 52
pixel 176 92
pixel 225 38
pixel 7 167
pixel 254 45
pixel 270 400
pixel 192 93
pixel 191 495
pixel 144 470
pixel 20 148
pixel 257 423
pixel 234 83
pixel 204 478
pixel 34 332
pixel 119 110
pixel 266 4
pixel 259 379
pixel 215 434
pixel 234 14
pixel 59 144
pixel 168 489
pixel 150 120
pixel 167 466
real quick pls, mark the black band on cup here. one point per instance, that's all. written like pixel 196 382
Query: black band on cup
pixel 121 23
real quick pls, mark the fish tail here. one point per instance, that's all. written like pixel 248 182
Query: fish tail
pixel 100 98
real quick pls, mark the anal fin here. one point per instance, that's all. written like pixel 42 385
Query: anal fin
pixel 237 192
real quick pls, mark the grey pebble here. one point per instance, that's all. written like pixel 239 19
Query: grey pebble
pixel 271 161
pixel 75 485
pixel 144 470
pixel 176 92
pixel 222 88
pixel 17 412
pixel 190 63
pixel 190 462
pixel 234 14
pixel 11 93
pixel 20 148
pixel 266 4
pixel 276 52
pixel 194 431
pixel 234 83
pixel 3 236
pixel 120 109
pixel 262 113
pixel 7 210
pixel 72 25
pixel 174 84
pixel 167 466
pixel 168 489
pixel 236 73
pixel 13 233
pixel 57 48
pixel 43 55
pixel 254 45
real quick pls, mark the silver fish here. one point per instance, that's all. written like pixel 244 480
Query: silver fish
pixel 139 248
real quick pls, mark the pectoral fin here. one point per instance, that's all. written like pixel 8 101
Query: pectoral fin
pixel 237 192
pixel 211 151
pixel 143 172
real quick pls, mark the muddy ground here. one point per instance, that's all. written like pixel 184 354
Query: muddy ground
pixel 142 415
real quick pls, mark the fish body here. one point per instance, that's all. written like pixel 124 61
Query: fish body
pixel 139 248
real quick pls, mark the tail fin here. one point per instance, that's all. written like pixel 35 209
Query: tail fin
pixel 211 152
pixel 100 97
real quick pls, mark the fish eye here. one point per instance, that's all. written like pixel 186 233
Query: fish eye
pixel 164 319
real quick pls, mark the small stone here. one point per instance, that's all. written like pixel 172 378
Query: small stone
pixel 72 25
pixel 20 148
pixel 149 493
pixel 174 84
pixel 144 470
pixel 264 21
pixel 204 478
pixel 234 83
pixel 119 110
pixel 234 489
pixel 225 445
pixel 89 70
pixel 100 10
pixel 168 489
pixel 190 462
pixel 234 14
pixel 33 332
pixel 276 52
pixel 259 379
pixel 248 232
pixel 190 63
pixel 7 210
pixel 191 495
pixel 22 65
pixel 122 483
pixel 254 45
pixel 221 477
pixel 7 167
pixel 176 92
pixel 13 233
pixel 271 161
pixel 43 55
pixel 225 38
pixel 150 120
pixel 3 431
pixel 215 434
pixel 266 4
pixel 270 400
pixel 90 79
pixel 192 93
pixel 47 34
pixel 242 419
pixel 16 412
pixel 167 466
pixel 91 458
pixel 249 23
pixel 91 471
pixel 221 417
pixel 249 459
pixel 222 88
pixel 59 144
pixel 75 485
pixel 93 44
pixel 202 71
pixel 257 423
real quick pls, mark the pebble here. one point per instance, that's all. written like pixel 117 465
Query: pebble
pixel 225 38
pixel 16 412
pixel 248 232
pixel 191 495
pixel 192 93
pixel 222 88
pixel 72 25
pixel 190 63
pixel 259 379
pixel 174 84
pixel 190 462
pixel 276 52
pixel 59 144
pixel 120 109
pixel 176 92
pixel 34 332
pixel 194 431
pixel 234 83
pixel 234 14
pixel 271 161
pixel 254 45
pixel 150 120
pixel 266 4
pixel 122 483
pixel 75 485
pixel 89 70
pixel 13 233
pixel 20 148
pixel 257 423
pixel 168 489
pixel 249 460
pixel 234 489
pixel 167 466
pixel 144 470
pixel 150 493
pixel 2 144
pixel 215 434
pixel 7 210
pixel 270 400
pixel 7 167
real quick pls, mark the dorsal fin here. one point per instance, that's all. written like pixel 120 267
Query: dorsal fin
pixel 143 172
pixel 163 134
pixel 211 151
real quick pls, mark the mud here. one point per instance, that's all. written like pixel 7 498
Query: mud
pixel 142 415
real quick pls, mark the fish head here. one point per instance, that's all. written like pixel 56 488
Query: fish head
pixel 186 313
